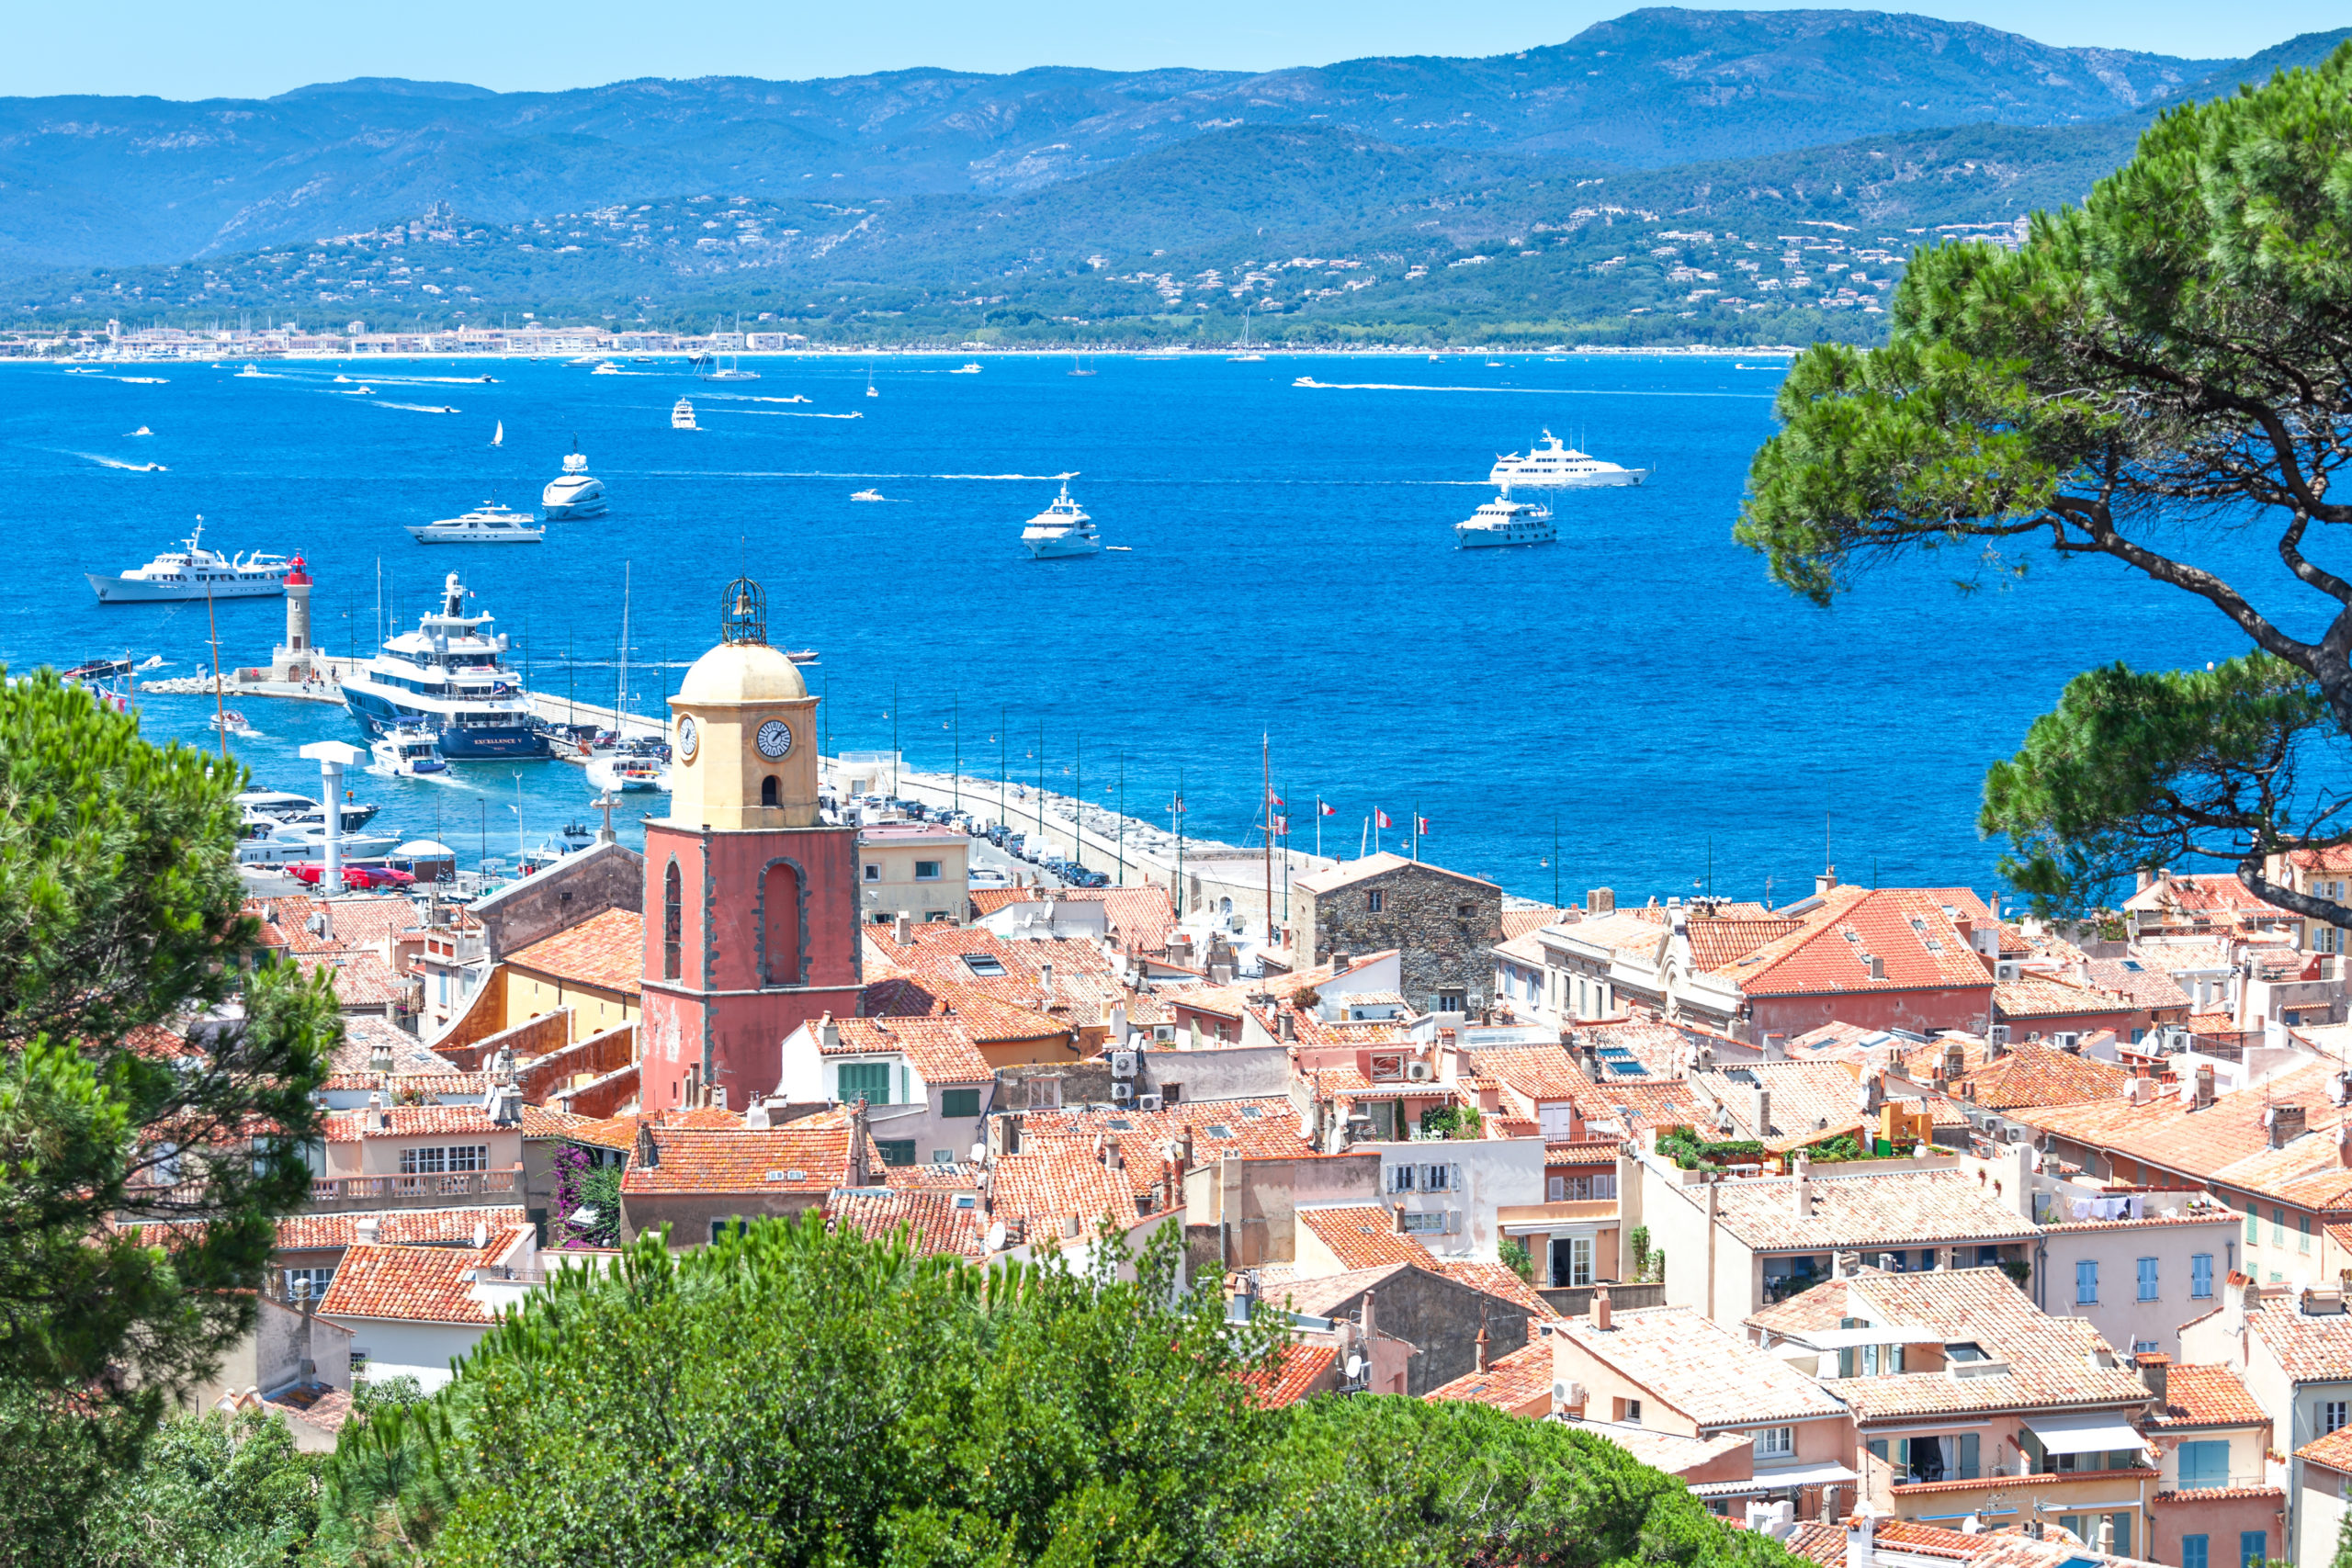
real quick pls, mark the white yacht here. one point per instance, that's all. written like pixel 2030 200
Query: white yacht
pixel 408 750
pixel 485 525
pixel 970 367
pixel 1060 530
pixel 573 493
pixel 195 572
pixel 606 368
pixel 721 367
pixel 620 772
pixel 1503 521
pixel 867 495
pixel 682 417
pixel 448 676
pixel 283 844
pixel 1556 466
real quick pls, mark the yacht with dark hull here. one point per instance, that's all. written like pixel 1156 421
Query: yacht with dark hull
pixel 449 675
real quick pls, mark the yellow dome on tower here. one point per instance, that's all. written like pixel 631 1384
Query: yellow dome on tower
pixel 738 672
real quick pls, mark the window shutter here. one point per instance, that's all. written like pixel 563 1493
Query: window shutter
pixel 1968 1452
pixel 1454 1177
pixel 1878 1445
pixel 1452 1222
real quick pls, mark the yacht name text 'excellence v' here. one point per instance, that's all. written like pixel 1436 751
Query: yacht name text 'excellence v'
pixel 448 676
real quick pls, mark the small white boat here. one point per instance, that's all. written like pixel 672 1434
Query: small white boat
pixel 1556 466
pixel 1244 359
pixel 721 367
pixel 868 495
pixel 682 417
pixel 574 492
pixel 1503 521
pixel 606 368
pixel 485 525
pixel 250 370
pixel 869 383
pixel 408 750
pixel 1307 381
pixel 1061 530
pixel 231 720
pixel 142 430
pixel 970 367
pixel 143 380
pixel 620 772
pixel 498 436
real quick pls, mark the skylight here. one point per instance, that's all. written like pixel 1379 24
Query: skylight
pixel 1219 1129
pixel 986 966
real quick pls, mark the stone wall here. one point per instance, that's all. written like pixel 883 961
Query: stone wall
pixel 1440 948
pixel 577 887
pixel 1440 1317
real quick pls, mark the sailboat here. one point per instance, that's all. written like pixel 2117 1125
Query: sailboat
pixel 1247 355
pixel 869 380
pixel 1078 367
pixel 498 436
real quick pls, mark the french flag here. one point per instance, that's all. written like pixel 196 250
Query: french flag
pixel 1421 825
pixel 1282 826
pixel 1380 819
pixel 1325 808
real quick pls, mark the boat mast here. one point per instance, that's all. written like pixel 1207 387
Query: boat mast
pixel 220 704
pixel 1266 806
pixel 620 680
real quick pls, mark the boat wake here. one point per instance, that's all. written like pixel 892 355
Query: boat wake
pixel 118 463
pixel 781 414
pixel 434 381
pixel 1309 383
pixel 749 398
pixel 412 408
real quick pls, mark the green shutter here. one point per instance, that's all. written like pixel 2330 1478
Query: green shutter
pixel 869 1081
pixel 963 1103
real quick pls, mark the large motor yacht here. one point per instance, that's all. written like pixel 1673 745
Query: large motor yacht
pixel 194 572
pixel 682 416
pixel 1503 521
pixel 485 525
pixel 575 493
pixel 448 676
pixel 1556 466
pixel 1060 530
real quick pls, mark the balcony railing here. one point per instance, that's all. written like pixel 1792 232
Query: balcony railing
pixel 447 1190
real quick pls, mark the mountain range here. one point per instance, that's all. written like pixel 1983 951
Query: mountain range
pixel 944 184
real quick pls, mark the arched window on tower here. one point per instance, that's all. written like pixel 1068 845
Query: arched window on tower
pixel 767 790
pixel 674 915
pixel 780 926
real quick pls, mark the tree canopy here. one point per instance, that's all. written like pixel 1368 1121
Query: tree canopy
pixel 793 1394
pixel 154 1092
pixel 2168 363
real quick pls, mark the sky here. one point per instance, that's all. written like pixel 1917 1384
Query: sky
pixel 257 47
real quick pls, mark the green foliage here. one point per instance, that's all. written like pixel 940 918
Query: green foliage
pixel 1638 1243
pixel 120 911
pixel 2019 1271
pixel 369 1395
pixel 1689 1151
pixel 2168 362
pixel 794 1395
pixel 212 1492
pixel 1454 1121
pixel 1516 1258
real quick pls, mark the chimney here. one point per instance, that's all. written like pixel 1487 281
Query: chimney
pixel 1184 1147
pixel 1878 965
pixel 1072 1226
pixel 1600 901
pixel 1802 1196
pixel 1825 882
pixel 1481 1363
pixel 1290 1025
pixel 2204 1086
pixel 1601 1309
pixel 648 1153
pixel 1760 1111
pixel 2153 1367
pixel 830 1032
pixel 364 1229
pixel 859 1175
pixel 1046 979
pixel 1367 1325
pixel 481 1234
pixel 1112 1159
pixel 2343 1142
pixel 1861 1540
pixel 2286 1125
pixel 903 928
pixel 2142 1091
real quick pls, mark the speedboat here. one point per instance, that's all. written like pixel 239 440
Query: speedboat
pixel 409 749
pixel 606 368
pixel 573 493
pixel 1556 466
pixel 868 495
pixel 622 772
pixel 195 572
pixel 285 844
pixel 569 840
pixel 485 525
pixel 1503 521
pixel 970 367
pixel 1060 530
pixel 682 416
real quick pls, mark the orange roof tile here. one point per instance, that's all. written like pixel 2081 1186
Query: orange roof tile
pixel 1291 1373
pixel 394 1227
pixel 2031 995
pixel 940 1049
pixel 986 1018
pixel 1706 1372
pixel 2207 1396
pixel 1497 1280
pixel 2035 1074
pixel 414 1284
pixel 1917 944
pixel 1515 1383
pixel 1361 1235
pixel 1540 1074
pixel 788 1159
pixel 361 979
pixel 1519 922
pixel 933 1223
pixel 606 950
pixel 2334 1451
pixel 411 1120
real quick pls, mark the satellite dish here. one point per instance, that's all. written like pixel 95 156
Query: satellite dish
pixel 1355 1368
pixel 980 1154
pixel 996 1237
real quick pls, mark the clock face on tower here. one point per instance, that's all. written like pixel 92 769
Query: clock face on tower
pixel 689 737
pixel 775 739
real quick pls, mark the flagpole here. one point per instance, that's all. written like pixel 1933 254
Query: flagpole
pixel 1318 827
pixel 1266 780
pixel 1179 814
pixel 1123 818
pixel 1417 828
pixel 1555 858
pixel 1360 833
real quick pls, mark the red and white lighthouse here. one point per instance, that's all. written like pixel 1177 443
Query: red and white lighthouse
pixel 751 902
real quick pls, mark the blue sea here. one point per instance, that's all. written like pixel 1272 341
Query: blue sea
pixel 1639 693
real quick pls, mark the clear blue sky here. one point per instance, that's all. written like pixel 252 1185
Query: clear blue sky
pixel 256 48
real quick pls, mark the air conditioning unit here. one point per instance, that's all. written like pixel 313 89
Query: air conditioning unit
pixel 1123 1064
pixel 1418 1071
pixel 2007 969
pixel 1148 1102
pixel 1121 1091
pixel 2065 1039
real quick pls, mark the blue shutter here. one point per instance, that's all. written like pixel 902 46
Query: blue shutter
pixel 1968 1455
pixel 2253 1547
pixel 2192 1552
pixel 2086 1282
pixel 2204 1464
pixel 2147 1278
pixel 2201 1275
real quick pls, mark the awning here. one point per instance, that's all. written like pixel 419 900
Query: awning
pixel 2090 1432
pixel 1776 1481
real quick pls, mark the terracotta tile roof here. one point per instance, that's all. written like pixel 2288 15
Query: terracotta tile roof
pixel 361 979
pixel 318 1405
pixel 933 1223
pixel 414 1284
pixel 2334 1451
pixel 1639 934
pixel 2031 995
pixel 1661 1049
pixel 1255 1129
pixel 2035 1074
pixel 1717 944
pixel 606 950
pixel 411 1120
pixel 613 1133
pixel 986 1018
pixel 1520 922
pixel 940 1049
pixel 2207 1396
pixel 2145 983
pixel 1497 1280
pixel 2226 1142
pixel 1349 872
pixel 367 918
pixel 394 1227
pixel 363 1034
pixel 788 1159
pixel 1361 1235
pixel 1808 1097
pixel 1051 1180
pixel 1330 1293
pixel 1671 1451
pixel 1903 1208
pixel 1699 1367
pixel 1512 1383
pixel 2050 1359
pixel 539 1122
pixel 1538 1074
pixel 2205 894
pixel 1918 945
pixel 285 923
pixel 936 951
pixel 1291 1373
pixel 1141 916
pixel 2307 1349
pixel 1627 1107
pixel 1594 1152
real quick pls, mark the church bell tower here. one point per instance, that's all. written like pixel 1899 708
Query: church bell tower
pixel 751 901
